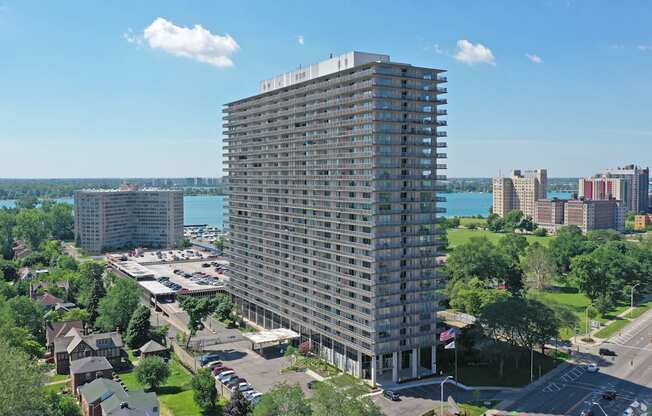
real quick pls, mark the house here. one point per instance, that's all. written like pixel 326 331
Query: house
pixel 74 346
pixel 87 369
pixel 49 301
pixel 152 347
pixel 54 330
pixel 105 397
pixel 20 249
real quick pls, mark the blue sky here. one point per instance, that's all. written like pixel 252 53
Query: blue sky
pixel 104 89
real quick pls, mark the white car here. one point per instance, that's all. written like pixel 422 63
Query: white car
pixel 242 387
pixel 254 397
pixel 225 374
pixel 248 394
pixel 225 379
pixel 592 368
pixel 628 412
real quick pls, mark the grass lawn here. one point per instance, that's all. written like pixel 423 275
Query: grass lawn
pixel 481 370
pixel 466 221
pixel 175 395
pixel 315 364
pixel 352 386
pixel 458 236
pixel 612 328
pixel 56 388
pixel 57 377
pixel 577 302
pixel 639 310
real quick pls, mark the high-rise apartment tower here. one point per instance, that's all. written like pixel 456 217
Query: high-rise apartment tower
pixel 521 192
pixel 333 177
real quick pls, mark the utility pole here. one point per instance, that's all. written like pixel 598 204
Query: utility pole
pixel 442 395
pixel 531 363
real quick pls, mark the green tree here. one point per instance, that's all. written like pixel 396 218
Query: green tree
pixel 119 304
pixel 539 266
pixel 28 314
pixel 61 405
pixel 7 223
pixel 472 296
pixel 32 226
pixel 569 243
pixel 513 246
pixel 197 309
pixel 152 372
pixel 27 202
pixel 89 289
pixel 9 270
pixel 61 221
pixel 21 383
pixel 513 219
pixel 478 258
pixel 224 308
pixel 237 406
pixel 138 329
pixel 204 391
pixel 283 400
pixel 328 401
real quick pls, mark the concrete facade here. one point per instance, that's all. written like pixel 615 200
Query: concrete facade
pixel 591 215
pixel 332 186
pixel 521 192
pixel 128 217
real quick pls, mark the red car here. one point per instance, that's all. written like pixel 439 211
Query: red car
pixel 219 369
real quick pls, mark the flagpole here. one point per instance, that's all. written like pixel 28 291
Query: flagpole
pixel 456 379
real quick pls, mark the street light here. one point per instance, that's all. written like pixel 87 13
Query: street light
pixel 442 395
pixel 598 404
pixel 634 287
pixel 587 319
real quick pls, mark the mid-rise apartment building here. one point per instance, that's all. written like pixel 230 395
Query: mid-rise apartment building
pixel 629 184
pixel 521 192
pixel 591 215
pixel 333 181
pixel 128 217
pixel 549 214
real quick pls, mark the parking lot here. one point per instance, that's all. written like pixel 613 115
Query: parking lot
pixel 417 400
pixel 192 276
pixel 262 373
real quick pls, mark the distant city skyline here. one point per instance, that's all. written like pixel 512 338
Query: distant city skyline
pixel 93 89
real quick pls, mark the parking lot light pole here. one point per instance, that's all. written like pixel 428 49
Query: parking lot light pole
pixel 632 295
pixel 598 404
pixel 442 395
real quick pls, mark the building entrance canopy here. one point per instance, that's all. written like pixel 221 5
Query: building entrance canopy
pixel 270 338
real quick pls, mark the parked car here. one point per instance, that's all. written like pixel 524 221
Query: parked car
pixel 592 368
pixel 254 396
pixel 609 395
pixel 205 265
pixel 224 379
pixel 224 374
pixel 232 383
pixel 391 395
pixel 212 356
pixel 242 387
pixel 607 352
pixel 213 364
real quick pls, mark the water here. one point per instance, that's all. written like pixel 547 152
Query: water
pixel 209 210
pixel 200 209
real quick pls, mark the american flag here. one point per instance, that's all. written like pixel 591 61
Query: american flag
pixel 446 335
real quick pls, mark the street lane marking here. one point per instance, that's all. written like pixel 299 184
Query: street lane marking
pixel 551 388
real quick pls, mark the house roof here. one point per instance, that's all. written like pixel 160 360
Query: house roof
pixel 90 365
pixel 138 402
pixel 152 346
pixel 48 299
pixel 101 389
pixel 55 330
pixel 100 341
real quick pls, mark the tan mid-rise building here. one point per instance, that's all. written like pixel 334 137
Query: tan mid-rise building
pixel 521 192
pixel 128 217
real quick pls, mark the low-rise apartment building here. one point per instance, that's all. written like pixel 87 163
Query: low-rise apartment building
pixel 128 217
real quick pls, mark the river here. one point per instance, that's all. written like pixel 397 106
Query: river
pixel 204 209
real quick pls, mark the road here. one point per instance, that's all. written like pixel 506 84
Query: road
pixel 629 373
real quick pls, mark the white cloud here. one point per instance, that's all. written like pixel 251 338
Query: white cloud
pixel 300 39
pixel 131 37
pixel 196 43
pixel 472 54
pixel 644 48
pixel 534 58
